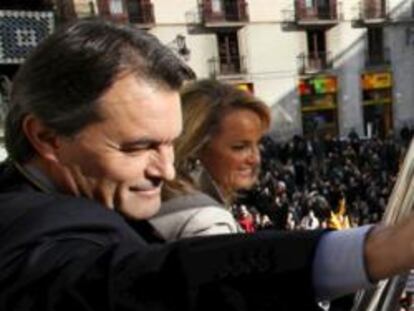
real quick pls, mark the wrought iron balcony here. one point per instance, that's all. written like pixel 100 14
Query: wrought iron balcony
pixel 139 13
pixel 232 66
pixel 231 13
pixel 314 62
pixel 316 14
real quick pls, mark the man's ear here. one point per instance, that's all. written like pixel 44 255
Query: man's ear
pixel 43 139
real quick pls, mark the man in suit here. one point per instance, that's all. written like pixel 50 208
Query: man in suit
pixel 94 112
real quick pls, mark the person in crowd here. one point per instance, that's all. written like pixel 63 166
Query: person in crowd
pixel 93 115
pixel 262 221
pixel 310 222
pixel 338 219
pixel 246 220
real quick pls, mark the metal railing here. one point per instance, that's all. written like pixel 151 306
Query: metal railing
pixel 229 12
pixel 144 16
pixel 231 66
pixel 314 62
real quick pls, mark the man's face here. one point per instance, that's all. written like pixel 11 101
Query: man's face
pixel 123 160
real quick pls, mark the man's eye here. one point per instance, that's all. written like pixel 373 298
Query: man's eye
pixel 129 151
pixel 136 149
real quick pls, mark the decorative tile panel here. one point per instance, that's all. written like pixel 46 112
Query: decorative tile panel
pixel 20 32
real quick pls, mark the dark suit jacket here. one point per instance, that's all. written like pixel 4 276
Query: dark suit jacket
pixel 59 252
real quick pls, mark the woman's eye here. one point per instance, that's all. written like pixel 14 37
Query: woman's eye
pixel 238 147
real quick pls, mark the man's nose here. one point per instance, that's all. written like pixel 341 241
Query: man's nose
pixel 162 163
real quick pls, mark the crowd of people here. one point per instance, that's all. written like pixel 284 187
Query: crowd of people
pixel 310 183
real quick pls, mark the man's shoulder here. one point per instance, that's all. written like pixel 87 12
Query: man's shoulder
pixel 32 215
pixel 25 199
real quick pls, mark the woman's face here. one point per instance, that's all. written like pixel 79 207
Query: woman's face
pixel 232 156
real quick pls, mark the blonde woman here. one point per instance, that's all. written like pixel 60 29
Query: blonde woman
pixel 216 156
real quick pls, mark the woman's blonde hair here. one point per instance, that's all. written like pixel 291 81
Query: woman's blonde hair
pixel 204 104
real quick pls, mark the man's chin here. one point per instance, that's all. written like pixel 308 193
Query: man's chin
pixel 140 210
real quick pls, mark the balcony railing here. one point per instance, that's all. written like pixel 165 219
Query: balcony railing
pixel 314 62
pixel 378 58
pixel 145 15
pixel 231 12
pixel 303 12
pixel 233 66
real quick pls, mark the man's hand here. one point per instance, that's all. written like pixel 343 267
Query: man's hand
pixel 389 250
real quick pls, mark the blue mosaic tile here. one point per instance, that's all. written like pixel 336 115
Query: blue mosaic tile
pixel 20 32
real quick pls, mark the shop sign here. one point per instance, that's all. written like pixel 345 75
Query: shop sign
pixel 378 80
pixel 317 85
